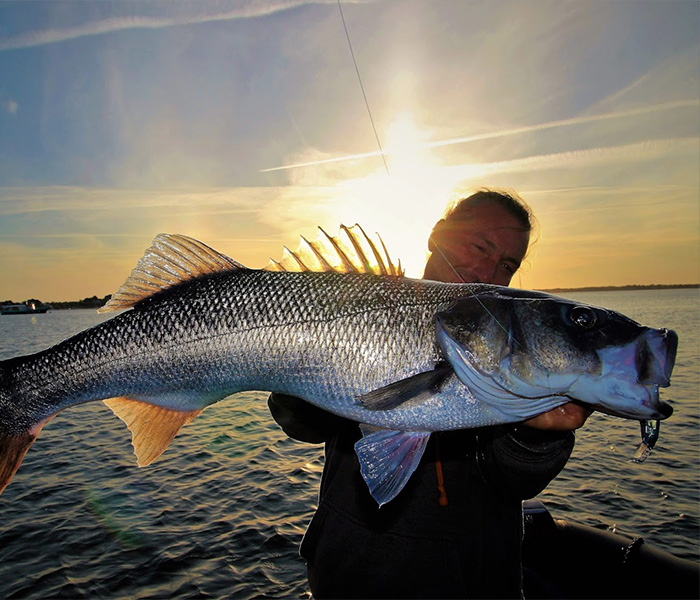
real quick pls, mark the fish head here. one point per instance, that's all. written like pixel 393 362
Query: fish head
pixel 527 352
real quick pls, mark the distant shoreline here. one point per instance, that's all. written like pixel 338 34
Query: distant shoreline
pixel 623 288
pixel 93 302
pixel 96 302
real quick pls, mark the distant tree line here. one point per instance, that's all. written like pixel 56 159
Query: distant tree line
pixel 615 288
pixel 92 302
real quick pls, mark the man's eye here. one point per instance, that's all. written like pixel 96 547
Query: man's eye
pixel 508 267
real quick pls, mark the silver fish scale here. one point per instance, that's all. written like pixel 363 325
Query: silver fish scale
pixel 326 337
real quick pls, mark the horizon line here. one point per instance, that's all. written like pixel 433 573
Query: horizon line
pixel 639 286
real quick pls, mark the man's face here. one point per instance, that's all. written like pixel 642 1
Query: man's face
pixel 486 245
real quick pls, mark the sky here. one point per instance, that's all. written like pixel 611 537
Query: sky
pixel 245 125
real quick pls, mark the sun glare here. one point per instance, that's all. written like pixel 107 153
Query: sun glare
pixel 403 204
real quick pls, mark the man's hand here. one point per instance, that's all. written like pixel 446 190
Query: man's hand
pixel 566 417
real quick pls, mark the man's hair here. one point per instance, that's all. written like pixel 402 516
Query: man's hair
pixel 511 202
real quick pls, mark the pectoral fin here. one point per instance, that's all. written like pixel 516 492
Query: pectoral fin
pixel 415 389
pixel 152 427
pixel 388 459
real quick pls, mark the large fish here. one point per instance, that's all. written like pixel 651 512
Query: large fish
pixel 403 357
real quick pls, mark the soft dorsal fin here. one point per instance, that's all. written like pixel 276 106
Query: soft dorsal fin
pixel 351 251
pixel 152 427
pixel 171 259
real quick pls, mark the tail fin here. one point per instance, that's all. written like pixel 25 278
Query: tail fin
pixel 18 429
pixel 13 447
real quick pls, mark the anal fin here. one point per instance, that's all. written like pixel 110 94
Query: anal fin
pixel 152 427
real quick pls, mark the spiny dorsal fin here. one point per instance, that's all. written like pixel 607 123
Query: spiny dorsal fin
pixel 171 259
pixel 351 251
pixel 152 427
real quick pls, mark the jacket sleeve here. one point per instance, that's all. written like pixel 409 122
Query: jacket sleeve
pixel 519 461
pixel 305 422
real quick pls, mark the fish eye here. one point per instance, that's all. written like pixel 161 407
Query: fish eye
pixel 584 317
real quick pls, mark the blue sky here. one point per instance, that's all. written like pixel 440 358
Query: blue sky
pixel 121 120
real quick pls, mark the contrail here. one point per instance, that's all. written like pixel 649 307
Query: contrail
pixel 504 133
pixel 52 36
pixel 650 149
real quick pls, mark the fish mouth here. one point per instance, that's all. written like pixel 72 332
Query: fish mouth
pixel 632 401
pixel 633 373
pixel 655 357
pixel 648 359
pixel 655 364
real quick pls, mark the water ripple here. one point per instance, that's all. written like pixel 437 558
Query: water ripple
pixel 223 511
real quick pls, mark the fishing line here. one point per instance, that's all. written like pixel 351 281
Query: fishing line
pixel 386 166
pixel 476 297
pixel 359 78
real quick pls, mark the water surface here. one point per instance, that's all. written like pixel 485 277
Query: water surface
pixel 222 512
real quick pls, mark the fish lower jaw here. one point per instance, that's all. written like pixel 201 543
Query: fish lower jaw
pixel 621 398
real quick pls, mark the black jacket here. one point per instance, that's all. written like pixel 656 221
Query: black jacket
pixel 414 547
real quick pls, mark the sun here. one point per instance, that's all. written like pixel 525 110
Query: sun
pixel 402 201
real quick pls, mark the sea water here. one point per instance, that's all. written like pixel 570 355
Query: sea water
pixel 222 512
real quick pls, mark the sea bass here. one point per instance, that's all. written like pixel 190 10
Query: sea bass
pixel 402 357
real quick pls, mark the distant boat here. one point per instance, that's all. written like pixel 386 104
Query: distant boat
pixel 30 307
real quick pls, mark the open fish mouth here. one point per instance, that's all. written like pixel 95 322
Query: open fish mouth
pixel 648 360
pixel 657 356
pixel 636 371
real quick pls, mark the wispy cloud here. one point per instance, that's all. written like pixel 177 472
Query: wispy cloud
pixel 675 77
pixel 37 199
pixel 504 133
pixel 244 10
pixel 603 156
